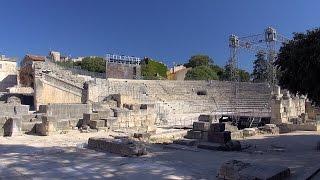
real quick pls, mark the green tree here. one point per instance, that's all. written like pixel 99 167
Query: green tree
pixel 152 69
pixel 94 64
pixel 202 73
pixel 243 75
pixel 260 68
pixel 199 60
pixel 298 65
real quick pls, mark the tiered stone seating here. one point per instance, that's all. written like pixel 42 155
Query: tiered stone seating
pixel 179 99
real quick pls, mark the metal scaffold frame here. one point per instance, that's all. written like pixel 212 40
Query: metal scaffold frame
pixel 267 43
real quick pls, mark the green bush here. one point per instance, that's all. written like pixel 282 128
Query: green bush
pixel 151 69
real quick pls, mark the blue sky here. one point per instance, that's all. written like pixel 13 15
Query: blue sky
pixel 168 30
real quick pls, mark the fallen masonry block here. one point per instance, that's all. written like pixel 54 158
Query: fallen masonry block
pixel 237 134
pixel 29 127
pixel 187 142
pixel 124 147
pixel 230 170
pixel 270 128
pixel 46 128
pixel 95 124
pixel 249 132
pixel 87 117
pixel 229 146
pixel 240 170
pixel 217 127
pixel 191 134
pixel 142 135
pixel 206 118
pixel 201 126
pixel 12 127
pixel 105 114
pixel 219 137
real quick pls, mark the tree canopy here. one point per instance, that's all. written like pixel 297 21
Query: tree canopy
pixel 94 64
pixel 201 73
pixel 260 68
pixel 299 65
pixel 199 60
pixel 152 69
pixel 244 76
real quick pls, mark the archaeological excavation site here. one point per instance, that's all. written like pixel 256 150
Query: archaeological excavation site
pixel 217 90
pixel 55 120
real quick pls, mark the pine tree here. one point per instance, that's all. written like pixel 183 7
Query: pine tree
pixel 260 68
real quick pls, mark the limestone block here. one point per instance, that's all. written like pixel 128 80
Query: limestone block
pixel 105 114
pixel 201 126
pixel 237 134
pixel 230 170
pixel 46 128
pixel 206 118
pixel 191 134
pixel 87 117
pixel 62 125
pixel 95 124
pixel 187 142
pixel 204 136
pixel 124 147
pixel 217 127
pixel 121 112
pixel 48 118
pixel 219 137
pixel 151 128
pixel 12 127
pixel 142 135
pixel 249 132
pixel 29 127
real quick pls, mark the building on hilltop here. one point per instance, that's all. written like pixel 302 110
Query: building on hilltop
pixel 123 67
pixel 55 56
pixel 8 73
pixel 178 72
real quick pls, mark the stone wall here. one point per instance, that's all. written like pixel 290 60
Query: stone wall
pixel 123 71
pixel 49 89
pixel 8 75
pixel 285 107
pixel 286 128
pixel 65 111
pixel 11 110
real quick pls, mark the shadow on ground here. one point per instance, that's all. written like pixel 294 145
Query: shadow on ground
pixel 21 161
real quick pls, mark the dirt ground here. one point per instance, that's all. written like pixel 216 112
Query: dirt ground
pixel 62 156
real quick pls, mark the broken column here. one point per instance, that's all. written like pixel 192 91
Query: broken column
pixel 12 127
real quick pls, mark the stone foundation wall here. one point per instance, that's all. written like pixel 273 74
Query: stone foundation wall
pixel 285 128
pixel 49 89
pixel 65 111
pixel 11 110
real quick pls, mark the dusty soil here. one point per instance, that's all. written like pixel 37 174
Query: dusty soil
pixel 62 156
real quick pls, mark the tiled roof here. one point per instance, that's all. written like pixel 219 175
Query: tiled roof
pixel 35 57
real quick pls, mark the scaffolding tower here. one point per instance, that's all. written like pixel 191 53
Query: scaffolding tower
pixel 266 43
